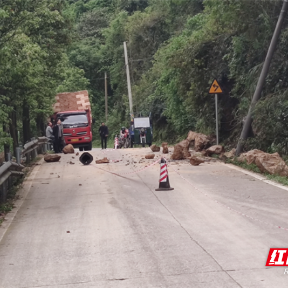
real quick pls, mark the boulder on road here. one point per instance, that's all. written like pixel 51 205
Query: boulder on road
pixel 181 150
pixel 102 161
pixel 68 149
pixel 52 158
pixel 195 161
pixel 155 148
pixel 201 142
pixel 177 153
pixel 150 156
pixel 267 163
pixel 216 149
pixel 272 164
pixel 165 148
pixel 250 156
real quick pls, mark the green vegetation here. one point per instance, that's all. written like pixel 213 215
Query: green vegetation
pixel 253 167
pixel 11 197
pixel 176 48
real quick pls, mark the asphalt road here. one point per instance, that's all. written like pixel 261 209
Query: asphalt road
pixel 84 226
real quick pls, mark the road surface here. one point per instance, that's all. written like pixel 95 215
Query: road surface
pixel 84 226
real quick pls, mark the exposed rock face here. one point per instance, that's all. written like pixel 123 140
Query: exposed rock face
pixel 201 142
pixel 216 149
pixel 68 149
pixel 102 161
pixel 165 148
pixel 150 156
pixel 155 148
pixel 52 158
pixel 195 161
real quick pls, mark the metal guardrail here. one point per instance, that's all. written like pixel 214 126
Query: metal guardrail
pixel 9 170
pixel 32 149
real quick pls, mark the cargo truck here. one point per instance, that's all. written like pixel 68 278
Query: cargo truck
pixel 74 111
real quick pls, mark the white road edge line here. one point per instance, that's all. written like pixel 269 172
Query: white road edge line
pixel 257 176
pixel 22 194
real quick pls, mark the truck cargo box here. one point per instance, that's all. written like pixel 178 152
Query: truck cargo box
pixel 71 101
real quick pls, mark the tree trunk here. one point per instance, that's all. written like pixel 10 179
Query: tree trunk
pixel 6 147
pixel 26 123
pixel 40 126
pixel 13 129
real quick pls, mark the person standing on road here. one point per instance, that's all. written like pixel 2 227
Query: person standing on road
pixel 103 131
pixel 131 133
pixel 60 136
pixel 49 133
pixel 56 136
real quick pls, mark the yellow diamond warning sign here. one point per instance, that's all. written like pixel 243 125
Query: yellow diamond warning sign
pixel 215 88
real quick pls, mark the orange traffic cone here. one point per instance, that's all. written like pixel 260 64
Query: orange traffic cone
pixel 164 179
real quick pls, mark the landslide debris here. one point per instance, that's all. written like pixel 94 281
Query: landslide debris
pixel 150 156
pixel 102 161
pixel 155 148
pixel 267 163
pixel 52 158
pixel 68 149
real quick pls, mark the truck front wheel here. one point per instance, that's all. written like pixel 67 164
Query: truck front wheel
pixel 89 147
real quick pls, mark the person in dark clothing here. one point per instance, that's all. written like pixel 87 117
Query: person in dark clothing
pixel 131 133
pixel 103 131
pixel 56 138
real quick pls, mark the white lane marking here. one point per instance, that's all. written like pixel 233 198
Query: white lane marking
pixel 255 175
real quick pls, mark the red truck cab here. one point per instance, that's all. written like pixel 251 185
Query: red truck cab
pixel 77 128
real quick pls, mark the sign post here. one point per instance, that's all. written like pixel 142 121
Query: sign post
pixel 216 89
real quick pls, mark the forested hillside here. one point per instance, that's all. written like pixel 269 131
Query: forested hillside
pixel 176 48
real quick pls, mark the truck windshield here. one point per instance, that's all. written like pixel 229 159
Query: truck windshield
pixel 73 119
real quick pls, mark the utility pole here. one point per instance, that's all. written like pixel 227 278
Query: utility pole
pixel 216 111
pixel 262 78
pixel 128 79
pixel 106 98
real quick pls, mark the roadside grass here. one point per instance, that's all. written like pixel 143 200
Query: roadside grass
pixel 11 197
pixel 253 167
pixel 12 193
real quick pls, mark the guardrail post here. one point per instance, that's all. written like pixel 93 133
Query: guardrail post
pixel 45 148
pixel 28 156
pixel 18 155
pixel 33 154
pixel 3 192
pixel 8 156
